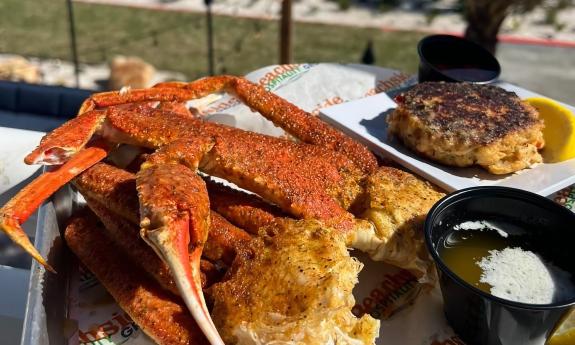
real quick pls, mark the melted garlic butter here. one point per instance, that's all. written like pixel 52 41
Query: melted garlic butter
pixel 296 290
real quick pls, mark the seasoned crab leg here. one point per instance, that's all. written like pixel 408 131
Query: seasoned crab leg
pixel 292 119
pixel 174 211
pixel 111 194
pixel 303 180
pixel 171 219
pixel 19 208
pixel 127 237
pixel 314 197
pixel 247 211
pixel 259 163
pixel 162 316
pixel 308 181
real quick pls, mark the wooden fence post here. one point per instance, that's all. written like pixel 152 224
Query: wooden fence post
pixel 72 27
pixel 210 38
pixel 286 33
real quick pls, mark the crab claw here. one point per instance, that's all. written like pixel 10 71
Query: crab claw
pixel 174 210
pixel 10 225
pixel 19 208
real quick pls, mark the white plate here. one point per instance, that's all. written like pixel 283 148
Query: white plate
pixel 365 120
pixel 14 145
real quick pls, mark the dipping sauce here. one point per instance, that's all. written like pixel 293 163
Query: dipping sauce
pixel 490 256
pixel 450 58
pixel 470 73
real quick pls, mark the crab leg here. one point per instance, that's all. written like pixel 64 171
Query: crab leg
pixel 127 237
pixel 162 316
pixel 113 187
pixel 261 164
pixel 292 119
pixel 174 211
pixel 225 241
pixel 167 216
pixel 282 113
pixel 324 180
pixel 204 87
pixel 65 145
pixel 64 142
pixel 248 211
pixel 307 181
pixel 19 208
pixel 302 124
pixel 111 194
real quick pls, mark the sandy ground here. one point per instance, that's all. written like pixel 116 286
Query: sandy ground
pixel 528 26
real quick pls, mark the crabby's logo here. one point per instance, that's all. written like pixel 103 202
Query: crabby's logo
pixel 116 330
pixel 219 107
pixel 384 298
pixel 270 81
pixel 273 79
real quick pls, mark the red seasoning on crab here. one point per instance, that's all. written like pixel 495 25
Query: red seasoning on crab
pixel 318 180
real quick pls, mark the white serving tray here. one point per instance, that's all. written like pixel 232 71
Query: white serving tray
pixel 365 120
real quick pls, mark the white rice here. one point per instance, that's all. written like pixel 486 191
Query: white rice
pixel 480 225
pixel 522 276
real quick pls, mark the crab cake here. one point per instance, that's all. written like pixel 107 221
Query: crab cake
pixel 463 124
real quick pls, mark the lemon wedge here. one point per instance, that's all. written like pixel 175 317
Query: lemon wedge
pixel 559 132
pixel 565 334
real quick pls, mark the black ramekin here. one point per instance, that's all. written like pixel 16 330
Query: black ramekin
pixel 445 50
pixel 478 317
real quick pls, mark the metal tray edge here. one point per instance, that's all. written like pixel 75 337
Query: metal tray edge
pixel 47 302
